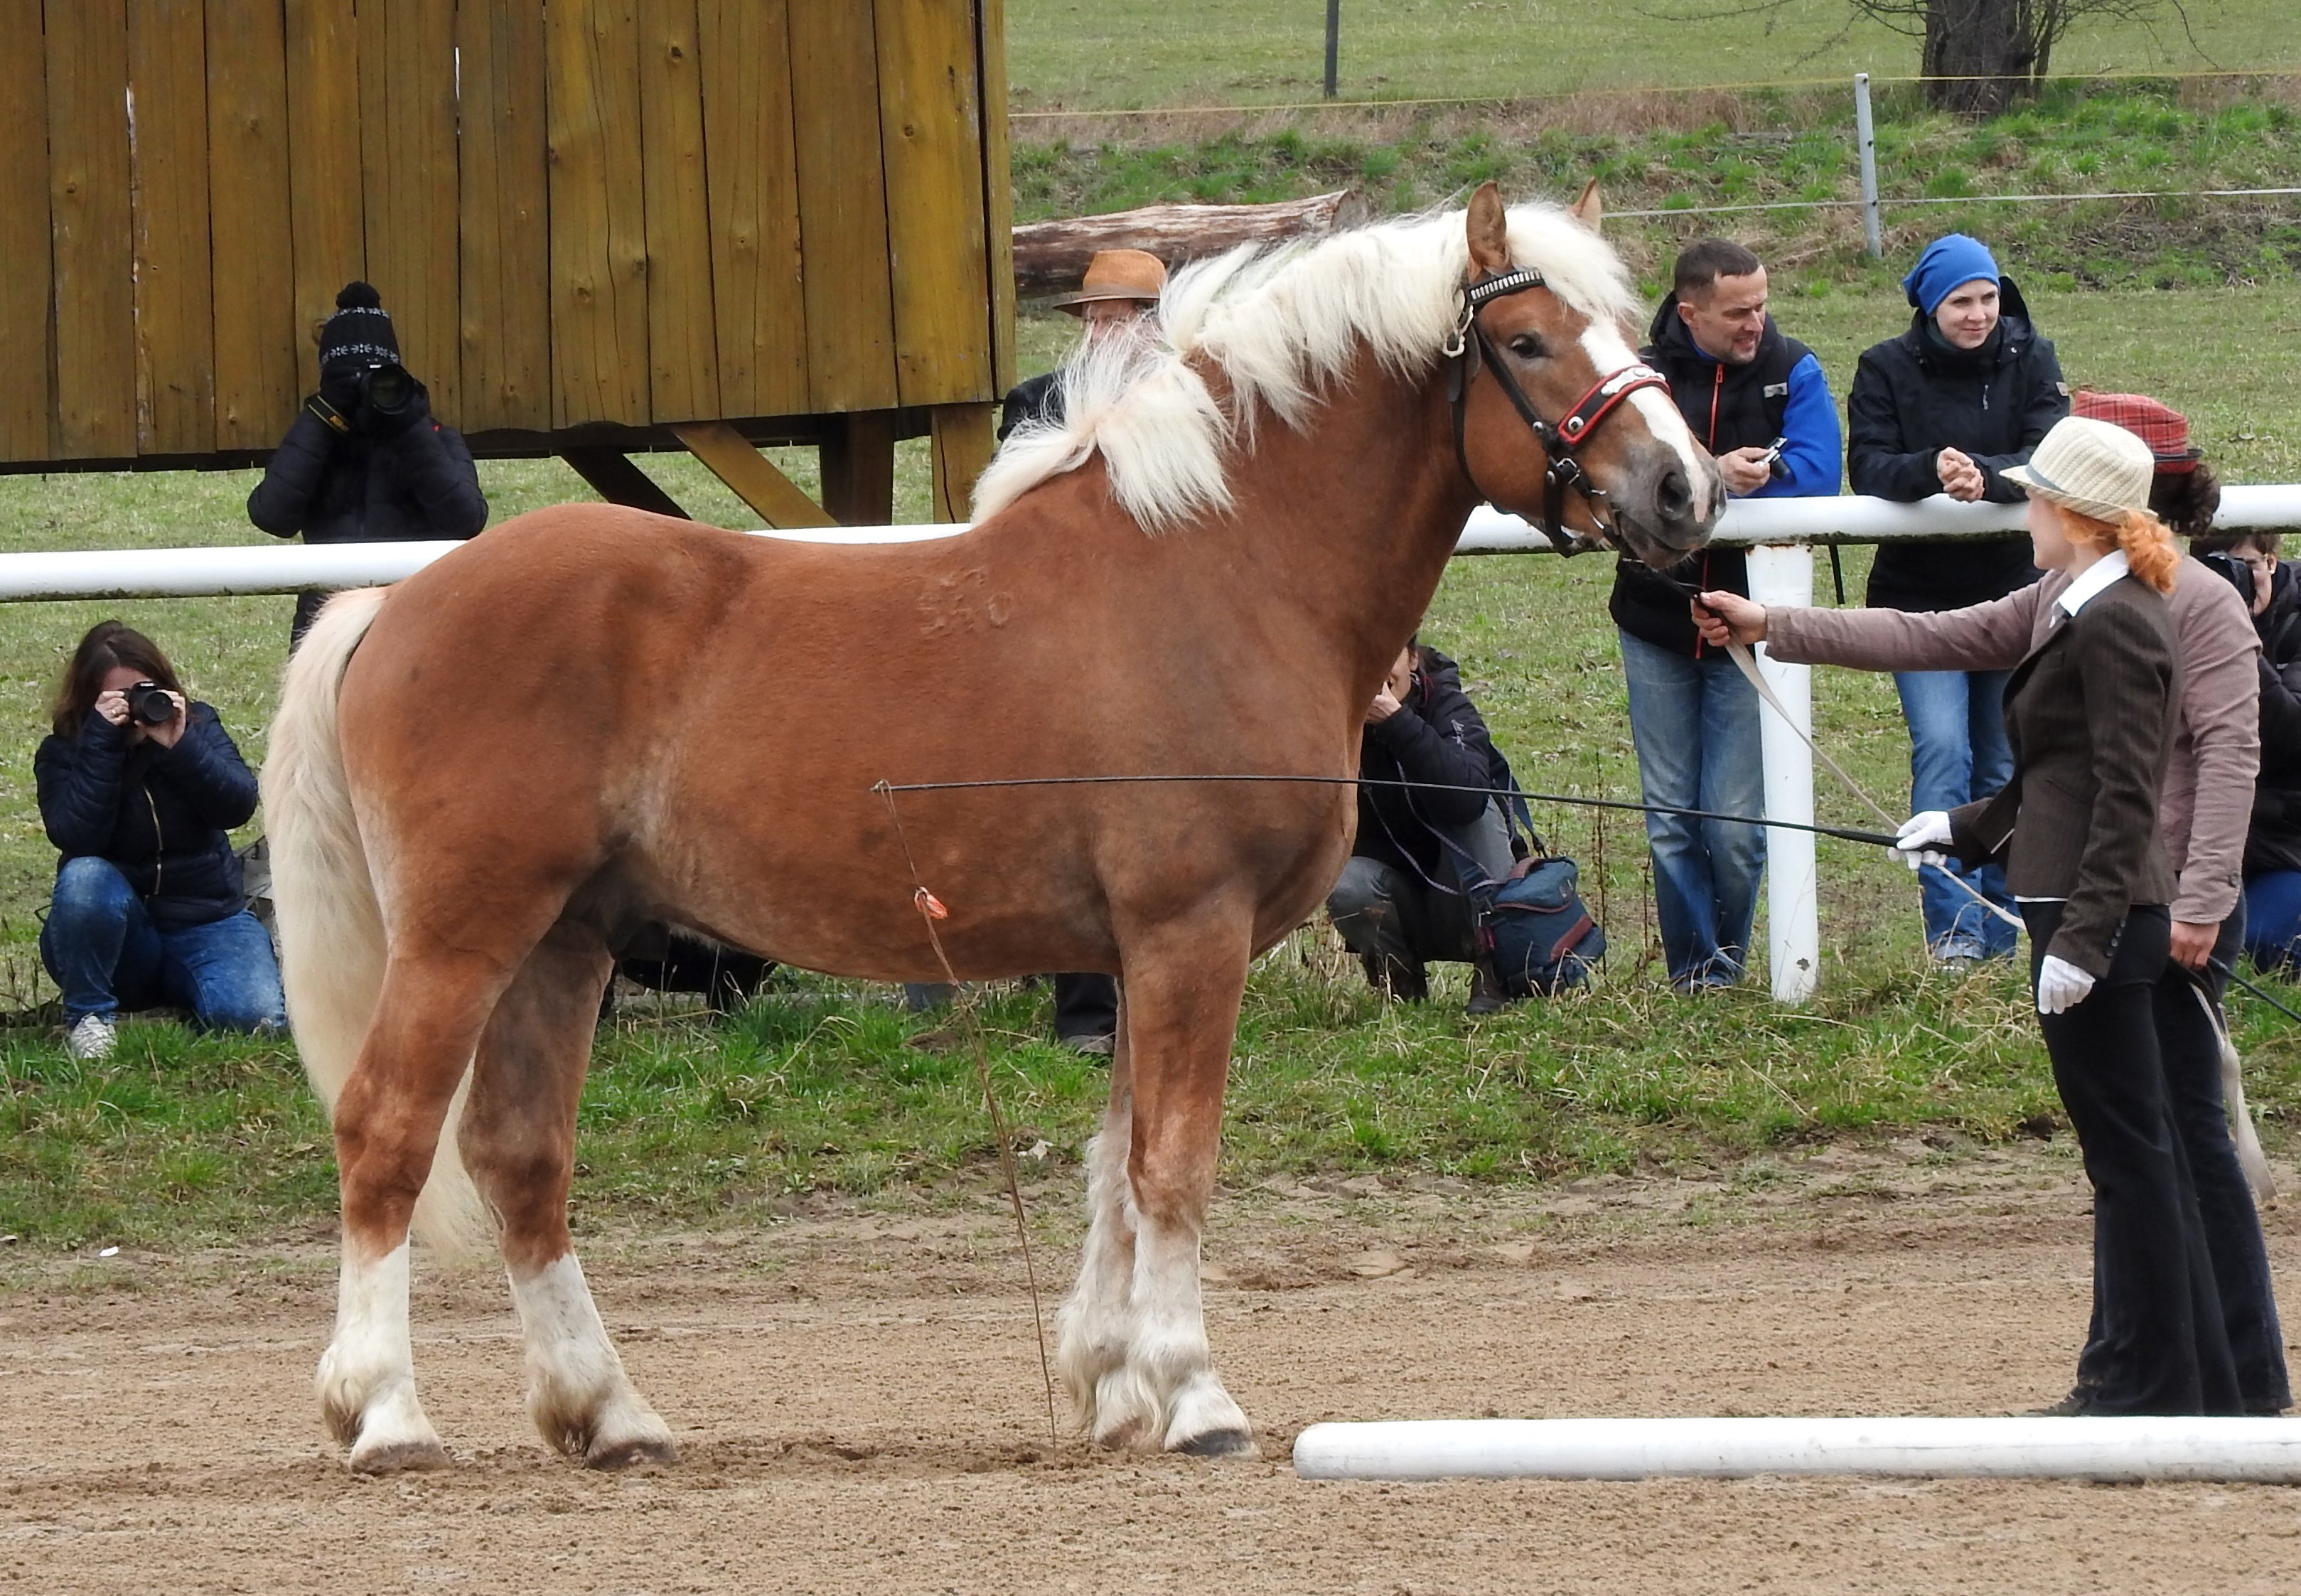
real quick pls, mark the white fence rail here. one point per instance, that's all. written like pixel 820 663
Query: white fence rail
pixel 1779 532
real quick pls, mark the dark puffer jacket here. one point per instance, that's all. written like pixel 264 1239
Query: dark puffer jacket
pixel 351 487
pixel 2273 841
pixel 1436 735
pixel 1917 394
pixel 158 813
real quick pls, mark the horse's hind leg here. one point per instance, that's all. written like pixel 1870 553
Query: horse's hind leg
pixel 1183 983
pixel 388 1122
pixel 519 1142
pixel 1097 1323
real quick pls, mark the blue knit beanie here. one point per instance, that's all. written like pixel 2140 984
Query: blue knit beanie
pixel 1948 265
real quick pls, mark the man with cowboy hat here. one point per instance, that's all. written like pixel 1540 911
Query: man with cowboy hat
pixel 1119 294
pixel 1121 291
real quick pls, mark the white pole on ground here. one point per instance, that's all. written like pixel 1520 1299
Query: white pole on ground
pixel 2264 1449
pixel 1783 574
pixel 1865 139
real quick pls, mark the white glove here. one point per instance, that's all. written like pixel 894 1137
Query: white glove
pixel 1922 837
pixel 2061 986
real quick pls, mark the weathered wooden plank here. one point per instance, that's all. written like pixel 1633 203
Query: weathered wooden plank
pixel 998 188
pixel 930 125
pixel 842 206
pixel 614 477
pixel 598 215
pixel 756 288
pixel 27 395
pixel 407 161
pixel 682 337
pixel 963 440
pixel 506 247
pixel 752 475
pixel 94 246
pixel 1051 257
pixel 326 198
pixel 256 385
pixel 857 452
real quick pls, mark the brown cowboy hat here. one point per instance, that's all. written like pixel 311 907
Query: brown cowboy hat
pixel 1118 274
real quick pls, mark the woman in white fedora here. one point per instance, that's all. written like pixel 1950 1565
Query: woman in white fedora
pixel 2092 713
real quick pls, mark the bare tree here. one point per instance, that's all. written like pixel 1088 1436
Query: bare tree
pixel 1979 54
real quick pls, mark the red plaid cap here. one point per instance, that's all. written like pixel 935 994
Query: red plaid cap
pixel 2166 429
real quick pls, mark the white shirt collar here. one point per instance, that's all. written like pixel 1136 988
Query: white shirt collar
pixel 2098 576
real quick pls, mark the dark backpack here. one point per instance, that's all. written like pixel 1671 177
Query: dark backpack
pixel 1539 932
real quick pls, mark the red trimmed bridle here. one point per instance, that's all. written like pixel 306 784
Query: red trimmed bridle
pixel 1470 349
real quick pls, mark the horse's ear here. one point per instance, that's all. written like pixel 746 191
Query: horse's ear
pixel 1489 228
pixel 1589 210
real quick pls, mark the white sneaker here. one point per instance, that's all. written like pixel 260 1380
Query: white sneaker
pixel 93 1038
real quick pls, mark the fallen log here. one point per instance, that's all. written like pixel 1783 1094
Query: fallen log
pixel 1050 257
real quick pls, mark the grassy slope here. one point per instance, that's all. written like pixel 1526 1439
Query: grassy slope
pixel 1126 53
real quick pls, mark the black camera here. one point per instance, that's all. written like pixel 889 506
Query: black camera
pixel 149 705
pixel 386 389
pixel 1775 469
pixel 2236 571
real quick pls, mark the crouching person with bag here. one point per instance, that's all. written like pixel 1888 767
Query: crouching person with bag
pixel 1431 860
pixel 137 786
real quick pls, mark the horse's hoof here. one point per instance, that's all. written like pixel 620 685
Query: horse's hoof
pixel 400 1456
pixel 1127 1435
pixel 631 1454
pixel 1237 1445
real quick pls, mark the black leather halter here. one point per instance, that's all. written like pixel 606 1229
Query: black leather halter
pixel 1470 349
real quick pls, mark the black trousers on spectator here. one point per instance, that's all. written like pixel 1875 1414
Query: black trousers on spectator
pixel 2162 1347
pixel 2191 1049
pixel 1086 1005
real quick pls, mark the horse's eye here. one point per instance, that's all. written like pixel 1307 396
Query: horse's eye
pixel 1526 346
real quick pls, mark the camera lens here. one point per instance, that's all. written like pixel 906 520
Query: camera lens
pixel 388 389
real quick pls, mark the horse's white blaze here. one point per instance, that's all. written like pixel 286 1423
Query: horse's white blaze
pixel 366 1379
pixel 578 1393
pixel 1096 1325
pixel 1610 351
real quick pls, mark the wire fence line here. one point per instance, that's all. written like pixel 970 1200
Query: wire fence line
pixel 1959 199
pixel 1625 91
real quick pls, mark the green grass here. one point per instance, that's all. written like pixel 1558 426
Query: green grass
pixel 1675 153
pixel 1130 53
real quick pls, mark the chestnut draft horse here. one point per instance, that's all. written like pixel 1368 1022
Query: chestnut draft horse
pixel 591 717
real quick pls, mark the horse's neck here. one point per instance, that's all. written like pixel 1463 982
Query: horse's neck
pixel 1362 505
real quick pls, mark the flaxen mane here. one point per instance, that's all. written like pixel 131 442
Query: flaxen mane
pixel 1280 324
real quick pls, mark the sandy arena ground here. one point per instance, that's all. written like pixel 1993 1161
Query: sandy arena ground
pixel 859 1398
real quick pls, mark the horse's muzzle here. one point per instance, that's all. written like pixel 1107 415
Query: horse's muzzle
pixel 1662 512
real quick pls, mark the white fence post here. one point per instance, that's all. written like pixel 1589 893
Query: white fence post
pixel 1783 574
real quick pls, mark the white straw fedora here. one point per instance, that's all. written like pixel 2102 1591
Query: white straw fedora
pixel 2095 468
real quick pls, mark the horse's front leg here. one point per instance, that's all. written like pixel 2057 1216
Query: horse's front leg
pixel 1184 982
pixel 1097 1325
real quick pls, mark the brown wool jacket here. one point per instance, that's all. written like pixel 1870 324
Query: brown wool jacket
pixel 2207 800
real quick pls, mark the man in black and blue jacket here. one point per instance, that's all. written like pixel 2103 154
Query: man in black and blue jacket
pixel 1758 402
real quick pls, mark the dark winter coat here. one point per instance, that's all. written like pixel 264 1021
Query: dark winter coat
pixel 1436 735
pixel 2273 841
pixel 1034 399
pixel 1779 393
pixel 158 813
pixel 1917 394
pixel 353 488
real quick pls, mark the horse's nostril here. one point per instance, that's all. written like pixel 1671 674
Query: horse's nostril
pixel 1674 495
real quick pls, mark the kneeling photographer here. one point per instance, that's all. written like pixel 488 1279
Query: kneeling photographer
pixel 364 461
pixel 137 788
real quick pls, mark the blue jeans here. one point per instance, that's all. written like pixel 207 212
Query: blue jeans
pixel 1695 725
pixel 1958 753
pixel 107 956
pixel 2272 919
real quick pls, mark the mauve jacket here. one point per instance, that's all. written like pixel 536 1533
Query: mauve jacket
pixel 2207 800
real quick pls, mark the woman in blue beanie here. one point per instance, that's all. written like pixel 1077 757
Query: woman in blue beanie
pixel 1947 408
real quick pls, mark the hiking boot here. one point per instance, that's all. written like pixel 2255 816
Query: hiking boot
pixel 1093 1044
pixel 2078 1403
pixel 1486 994
pixel 1400 982
pixel 93 1038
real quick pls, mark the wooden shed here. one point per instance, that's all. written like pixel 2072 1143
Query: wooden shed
pixel 600 227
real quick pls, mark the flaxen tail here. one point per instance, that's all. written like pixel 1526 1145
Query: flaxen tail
pixel 332 936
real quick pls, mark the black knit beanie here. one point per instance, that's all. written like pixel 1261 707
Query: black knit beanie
pixel 359 331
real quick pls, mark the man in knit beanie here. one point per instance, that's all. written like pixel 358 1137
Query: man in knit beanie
pixel 364 461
